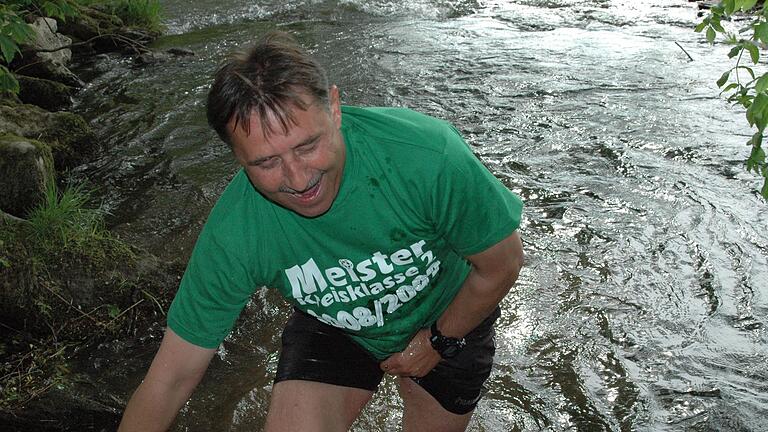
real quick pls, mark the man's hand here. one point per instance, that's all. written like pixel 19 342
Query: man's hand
pixel 177 368
pixel 416 360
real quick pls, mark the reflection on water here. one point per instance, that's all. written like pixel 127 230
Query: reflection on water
pixel 643 303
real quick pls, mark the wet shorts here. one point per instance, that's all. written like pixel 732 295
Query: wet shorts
pixel 314 351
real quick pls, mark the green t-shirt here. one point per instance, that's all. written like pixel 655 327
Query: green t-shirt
pixel 382 263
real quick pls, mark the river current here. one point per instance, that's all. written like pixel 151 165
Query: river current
pixel 644 300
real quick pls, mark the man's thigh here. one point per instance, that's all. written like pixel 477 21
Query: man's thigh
pixel 313 406
pixel 423 412
pixel 323 378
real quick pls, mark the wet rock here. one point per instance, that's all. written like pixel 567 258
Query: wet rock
pixel 47 39
pixel 71 140
pixel 23 173
pixel 50 95
pixel 47 54
pixel 151 57
pixel 89 24
pixel 180 52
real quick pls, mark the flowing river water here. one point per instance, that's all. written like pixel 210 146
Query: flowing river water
pixel 644 301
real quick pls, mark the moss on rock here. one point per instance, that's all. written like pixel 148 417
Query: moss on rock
pixel 47 94
pixel 24 170
pixel 71 139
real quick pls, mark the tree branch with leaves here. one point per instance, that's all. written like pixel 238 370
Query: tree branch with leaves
pixel 742 85
pixel 14 31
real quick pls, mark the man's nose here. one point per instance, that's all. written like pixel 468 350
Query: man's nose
pixel 296 174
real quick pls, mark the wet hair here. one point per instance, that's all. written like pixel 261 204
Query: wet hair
pixel 269 80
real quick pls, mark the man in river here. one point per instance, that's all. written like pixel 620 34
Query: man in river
pixel 390 239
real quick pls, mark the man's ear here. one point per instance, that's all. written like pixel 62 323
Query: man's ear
pixel 335 104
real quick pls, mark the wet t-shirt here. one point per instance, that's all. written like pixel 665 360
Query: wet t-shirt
pixel 383 262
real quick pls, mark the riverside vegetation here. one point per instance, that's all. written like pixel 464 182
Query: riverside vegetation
pixel 742 85
pixel 67 283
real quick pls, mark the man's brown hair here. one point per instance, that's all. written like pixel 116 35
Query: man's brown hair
pixel 267 80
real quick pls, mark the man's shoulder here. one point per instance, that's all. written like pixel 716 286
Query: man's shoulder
pixel 236 207
pixel 400 126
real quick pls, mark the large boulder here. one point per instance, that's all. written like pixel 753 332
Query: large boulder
pixel 23 173
pixel 71 139
pixel 46 55
pixel 52 44
pixel 47 94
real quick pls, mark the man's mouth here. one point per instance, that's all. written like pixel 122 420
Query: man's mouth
pixel 311 192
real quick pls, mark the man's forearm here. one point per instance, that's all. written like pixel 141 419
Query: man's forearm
pixel 154 406
pixel 175 371
pixel 483 289
pixel 493 273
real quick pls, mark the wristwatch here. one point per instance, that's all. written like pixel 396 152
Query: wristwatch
pixel 448 347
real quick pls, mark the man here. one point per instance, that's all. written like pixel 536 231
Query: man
pixel 390 239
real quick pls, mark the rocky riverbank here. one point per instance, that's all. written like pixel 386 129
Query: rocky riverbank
pixel 69 289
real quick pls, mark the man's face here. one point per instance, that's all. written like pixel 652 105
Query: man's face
pixel 300 170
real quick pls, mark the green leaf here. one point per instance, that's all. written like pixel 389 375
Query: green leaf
pixel 8 82
pixel 729 87
pixel 113 310
pixel 729 6
pixel 764 190
pixel 746 102
pixel 750 165
pixel 715 23
pixel 735 51
pixel 723 79
pixel 20 31
pixel 756 160
pixel 748 70
pixel 760 156
pixel 68 10
pixel 753 51
pixel 761 32
pixel 711 35
pixel 8 47
pixel 717 10
pixel 52 10
pixel 757 113
pixel 762 83
pixel 699 28
pixel 747 5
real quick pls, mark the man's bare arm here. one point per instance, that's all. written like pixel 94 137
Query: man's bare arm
pixel 176 370
pixel 493 273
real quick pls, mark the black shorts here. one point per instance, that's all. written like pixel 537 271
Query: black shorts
pixel 314 351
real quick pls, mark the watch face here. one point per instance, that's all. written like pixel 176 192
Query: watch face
pixel 447 347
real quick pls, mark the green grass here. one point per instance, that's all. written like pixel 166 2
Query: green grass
pixel 63 221
pixel 65 229
pixel 139 13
